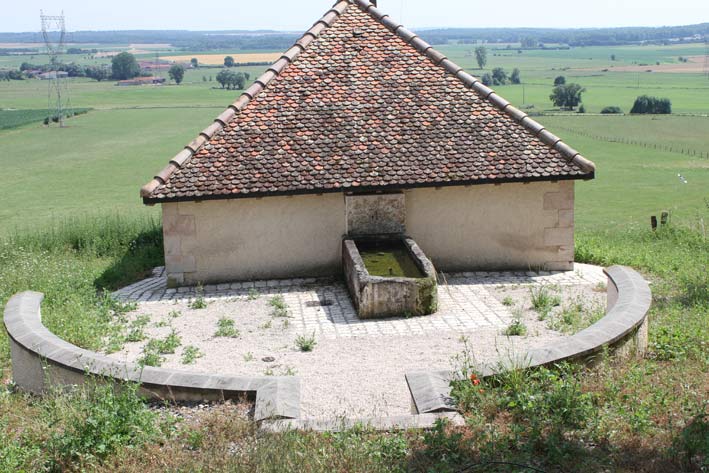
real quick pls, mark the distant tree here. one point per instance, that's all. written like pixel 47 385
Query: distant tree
pixel 228 61
pixel 223 77
pixel 247 76
pixel 194 63
pixel 560 80
pixel 529 43
pixel 231 80
pixel 177 73
pixel 652 105
pixel 487 79
pixel 567 96
pixel 499 76
pixel 97 73
pixel 237 80
pixel 204 78
pixel 582 108
pixel 612 57
pixel 124 66
pixel 12 74
pixel 481 56
pixel 514 77
pixel 611 110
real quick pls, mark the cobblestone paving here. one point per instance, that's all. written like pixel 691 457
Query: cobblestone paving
pixel 324 306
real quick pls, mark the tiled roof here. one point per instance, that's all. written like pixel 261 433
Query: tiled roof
pixel 362 103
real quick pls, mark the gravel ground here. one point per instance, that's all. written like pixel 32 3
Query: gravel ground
pixel 361 376
pixel 575 308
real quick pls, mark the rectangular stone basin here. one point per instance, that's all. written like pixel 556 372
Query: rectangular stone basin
pixel 389 277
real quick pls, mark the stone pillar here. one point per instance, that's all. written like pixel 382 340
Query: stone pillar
pixel 560 237
pixel 176 228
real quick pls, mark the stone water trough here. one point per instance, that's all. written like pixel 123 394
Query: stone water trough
pixel 389 276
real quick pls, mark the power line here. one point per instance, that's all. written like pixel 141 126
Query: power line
pixel 54 35
pixel 706 55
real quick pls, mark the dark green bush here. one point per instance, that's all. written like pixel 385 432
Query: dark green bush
pixel 651 105
pixel 611 110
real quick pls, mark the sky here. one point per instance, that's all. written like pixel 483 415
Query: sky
pixel 298 15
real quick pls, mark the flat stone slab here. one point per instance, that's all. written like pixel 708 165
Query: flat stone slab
pixel 382 424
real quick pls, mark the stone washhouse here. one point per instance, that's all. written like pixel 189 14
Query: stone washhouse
pixel 362 130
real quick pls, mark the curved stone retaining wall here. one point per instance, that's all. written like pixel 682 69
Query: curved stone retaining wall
pixel 42 361
pixel 623 329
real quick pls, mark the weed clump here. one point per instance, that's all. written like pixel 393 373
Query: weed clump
pixel 305 342
pixel 190 354
pixel 279 308
pixel 98 420
pixel 226 328
pixel 543 301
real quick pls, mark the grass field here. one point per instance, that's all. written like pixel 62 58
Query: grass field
pixel 634 182
pixel 133 131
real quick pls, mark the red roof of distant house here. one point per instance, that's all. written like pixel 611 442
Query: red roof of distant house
pixel 362 103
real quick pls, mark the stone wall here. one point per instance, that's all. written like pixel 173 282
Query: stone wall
pixel 242 239
pixel 483 227
pixel 623 332
pixel 490 227
pixel 375 214
pixel 42 362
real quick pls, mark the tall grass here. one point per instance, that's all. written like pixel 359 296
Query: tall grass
pixel 74 263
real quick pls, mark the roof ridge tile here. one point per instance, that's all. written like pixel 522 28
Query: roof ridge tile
pixel 420 44
pixel 498 101
pixel 467 79
pixel 436 56
pixel 483 90
pixel 390 23
pixel 532 125
pixel 406 34
pixel 450 66
pixel 548 138
pixel 517 114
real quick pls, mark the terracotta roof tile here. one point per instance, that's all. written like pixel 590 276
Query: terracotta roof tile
pixel 354 106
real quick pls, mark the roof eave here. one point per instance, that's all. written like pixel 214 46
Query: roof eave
pixel 369 189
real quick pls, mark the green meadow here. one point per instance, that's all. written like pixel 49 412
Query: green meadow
pixel 100 160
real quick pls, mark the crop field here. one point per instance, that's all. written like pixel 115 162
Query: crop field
pixel 16 118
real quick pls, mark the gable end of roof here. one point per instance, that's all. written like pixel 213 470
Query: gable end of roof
pixel 436 57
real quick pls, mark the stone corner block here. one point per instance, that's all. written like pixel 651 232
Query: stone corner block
pixel 279 399
pixel 558 201
pixel 562 236
pixel 179 225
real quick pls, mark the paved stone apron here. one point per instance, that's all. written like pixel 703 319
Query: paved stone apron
pixel 324 305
